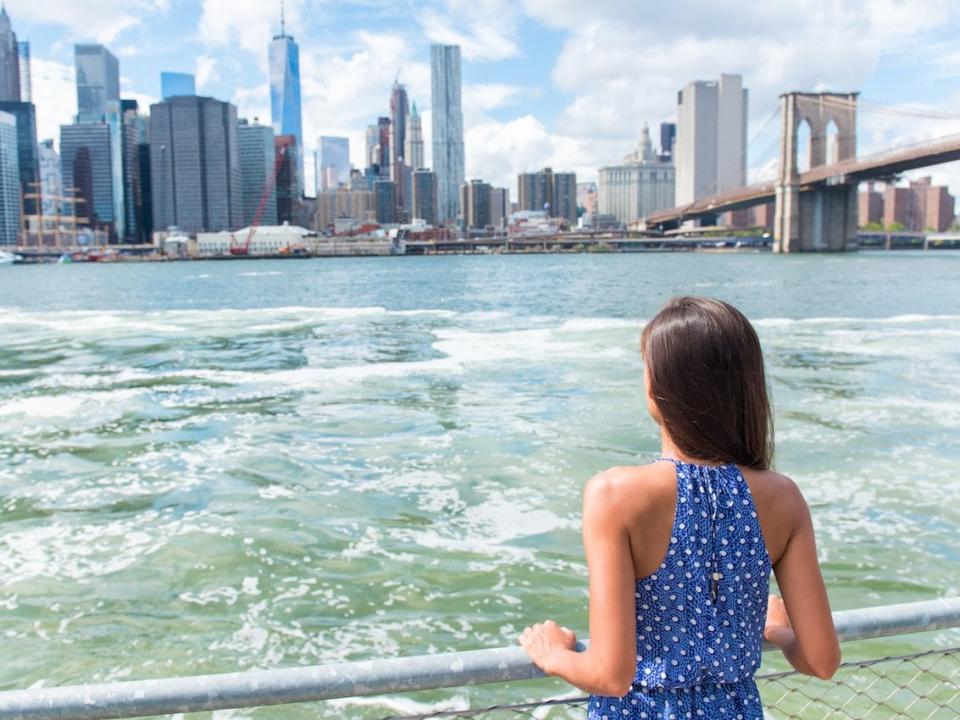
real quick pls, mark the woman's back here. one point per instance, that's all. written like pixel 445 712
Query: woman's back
pixel 701 602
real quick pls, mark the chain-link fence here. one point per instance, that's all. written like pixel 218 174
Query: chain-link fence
pixel 922 686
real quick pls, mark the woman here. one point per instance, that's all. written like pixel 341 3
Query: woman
pixel 680 551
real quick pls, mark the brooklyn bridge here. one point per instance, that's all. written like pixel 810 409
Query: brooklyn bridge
pixel 815 208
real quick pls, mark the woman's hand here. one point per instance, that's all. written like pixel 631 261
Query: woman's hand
pixel 778 629
pixel 543 639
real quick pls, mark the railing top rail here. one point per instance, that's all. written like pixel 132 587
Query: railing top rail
pixel 140 698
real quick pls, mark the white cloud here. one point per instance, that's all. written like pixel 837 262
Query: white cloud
pixel 247 23
pixel 99 20
pixel 484 29
pixel 206 72
pixel 55 96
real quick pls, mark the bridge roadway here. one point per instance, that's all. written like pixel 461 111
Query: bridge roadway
pixel 846 172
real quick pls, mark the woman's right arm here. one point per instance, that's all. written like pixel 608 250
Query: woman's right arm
pixel 801 625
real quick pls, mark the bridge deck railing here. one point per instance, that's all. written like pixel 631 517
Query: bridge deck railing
pixel 938 668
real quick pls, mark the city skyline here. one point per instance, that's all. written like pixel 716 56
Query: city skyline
pixel 539 87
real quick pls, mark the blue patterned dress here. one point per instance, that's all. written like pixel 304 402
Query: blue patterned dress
pixel 700 616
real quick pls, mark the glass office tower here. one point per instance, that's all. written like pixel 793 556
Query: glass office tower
pixel 285 93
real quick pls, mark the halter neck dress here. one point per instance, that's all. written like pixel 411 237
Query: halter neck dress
pixel 700 616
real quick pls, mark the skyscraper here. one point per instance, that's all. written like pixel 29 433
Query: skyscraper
pixel 447 121
pixel 9 181
pixel 399 109
pixel 26 77
pixel 333 162
pixel 285 91
pixel 50 185
pixel 195 165
pixel 384 197
pixel 87 173
pixel 288 196
pixel 177 83
pixel 413 154
pixel 9 60
pixel 28 160
pixel 668 133
pixel 257 161
pixel 135 208
pixel 425 195
pixel 370 159
pixel 98 81
pixel 710 150
pixel 383 147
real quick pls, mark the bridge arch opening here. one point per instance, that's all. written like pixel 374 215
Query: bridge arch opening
pixel 804 146
pixel 832 143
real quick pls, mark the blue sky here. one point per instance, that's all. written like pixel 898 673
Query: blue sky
pixel 546 82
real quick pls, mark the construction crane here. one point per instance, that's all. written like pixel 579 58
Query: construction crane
pixel 241 250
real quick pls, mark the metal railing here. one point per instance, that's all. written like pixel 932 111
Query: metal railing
pixel 140 698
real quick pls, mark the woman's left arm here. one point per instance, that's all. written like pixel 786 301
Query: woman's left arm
pixel 608 666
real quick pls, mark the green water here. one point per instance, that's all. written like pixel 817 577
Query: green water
pixel 215 466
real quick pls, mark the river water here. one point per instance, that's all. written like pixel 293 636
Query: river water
pixel 214 466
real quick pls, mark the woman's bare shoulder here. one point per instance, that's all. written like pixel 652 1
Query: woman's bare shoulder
pixel 632 488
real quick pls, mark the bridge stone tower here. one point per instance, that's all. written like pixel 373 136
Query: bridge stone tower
pixel 823 217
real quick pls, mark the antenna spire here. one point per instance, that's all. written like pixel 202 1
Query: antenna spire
pixel 283 20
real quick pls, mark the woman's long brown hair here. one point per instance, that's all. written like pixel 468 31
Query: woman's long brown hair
pixel 706 376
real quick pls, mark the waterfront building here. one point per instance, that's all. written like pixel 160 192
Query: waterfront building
pixel 424 196
pixel 384 197
pixel 86 171
pixel 499 207
pixel 29 161
pixel 288 194
pixel 9 60
pixel 195 165
pixel 710 152
pixel 9 181
pixel 343 204
pixel 285 93
pixel 267 240
pixel 641 185
pixel 549 192
pixel 332 162
pixel 257 161
pixel 50 185
pixel 869 206
pixel 98 81
pixel 475 203
pixel 668 135
pixel 177 83
pixel 413 153
pixel 26 75
pixel 919 207
pixel 447 122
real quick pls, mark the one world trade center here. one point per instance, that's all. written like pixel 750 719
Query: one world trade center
pixel 285 92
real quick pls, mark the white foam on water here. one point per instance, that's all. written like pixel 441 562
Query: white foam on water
pixel 590 324
pixel 262 273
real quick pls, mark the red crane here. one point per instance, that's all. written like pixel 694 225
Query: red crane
pixel 244 249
